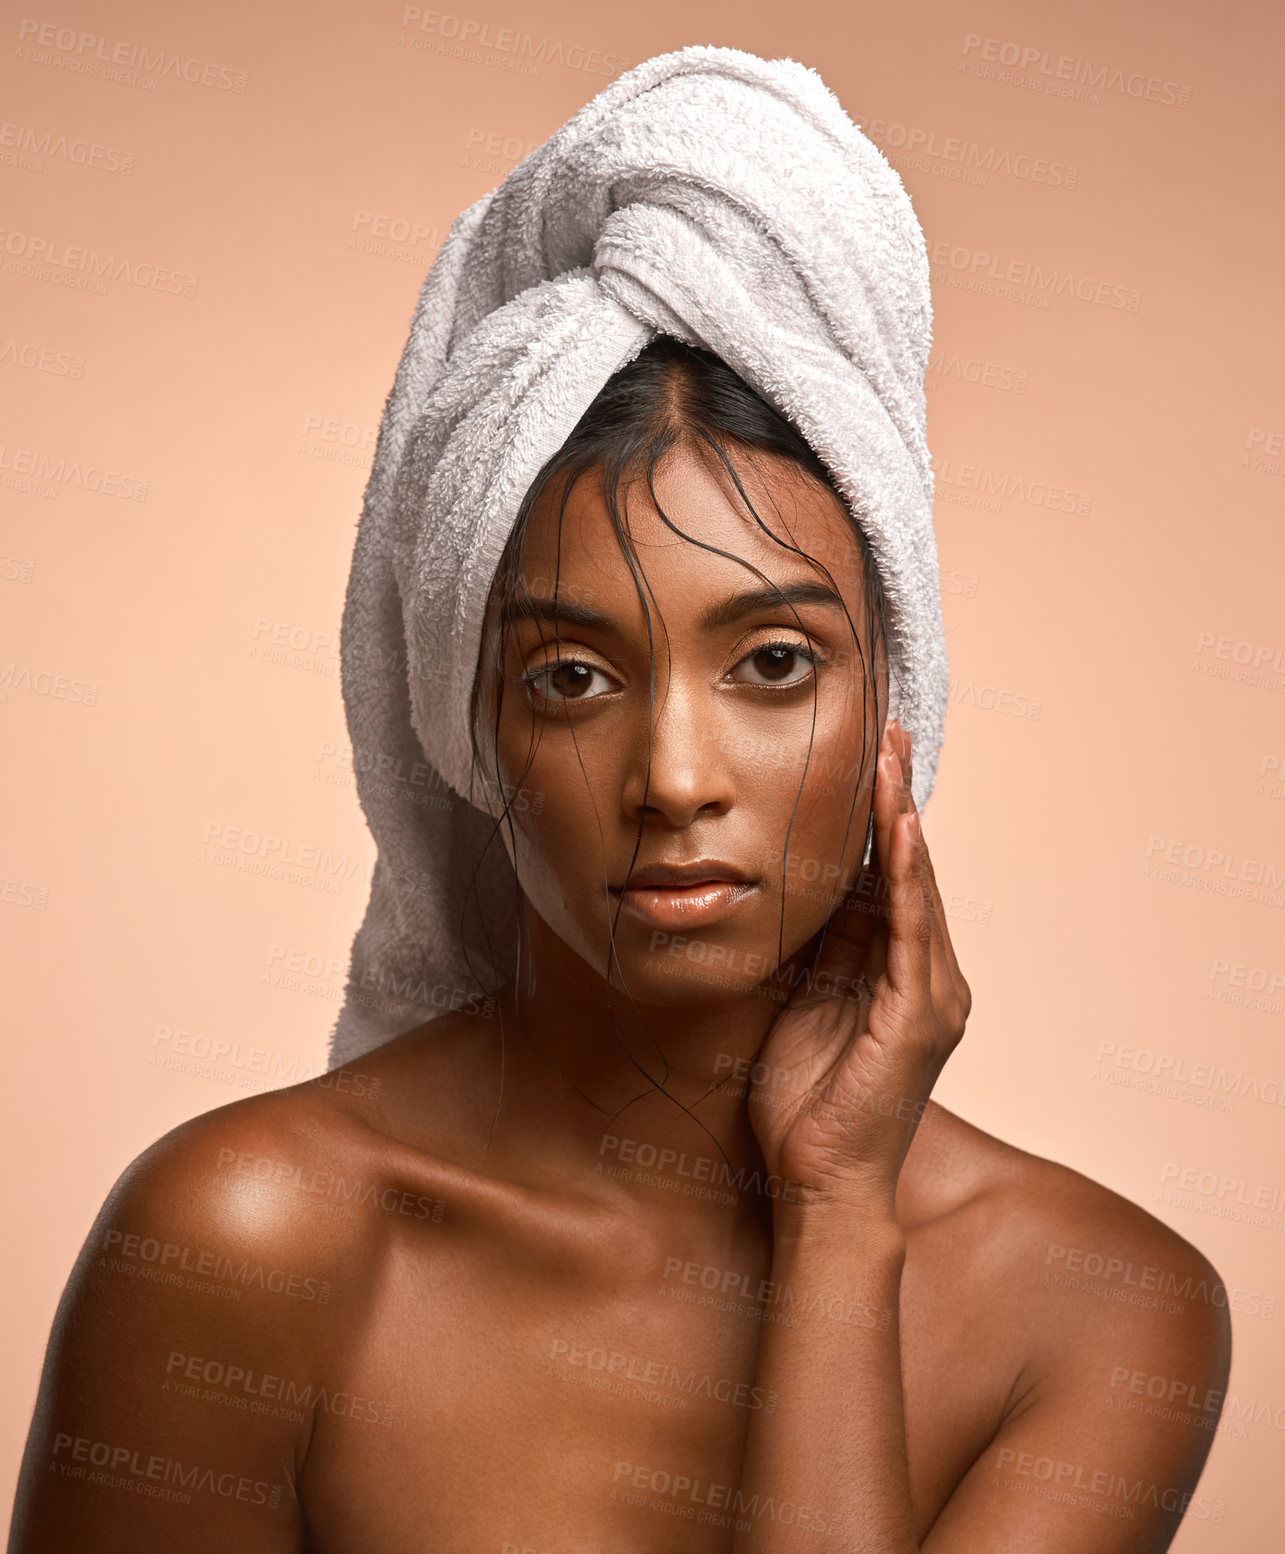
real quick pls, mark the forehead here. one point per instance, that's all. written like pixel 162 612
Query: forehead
pixel 701 501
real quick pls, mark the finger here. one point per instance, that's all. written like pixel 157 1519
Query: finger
pixel 858 903
pixel 856 937
pixel 945 962
pixel 952 999
pixel 909 917
pixel 847 935
pixel 889 802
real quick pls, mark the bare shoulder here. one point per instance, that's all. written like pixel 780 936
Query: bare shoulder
pixel 255 1226
pixel 1070 1263
pixel 261 1225
pixel 205 1323
pixel 243 1175
pixel 318 1175
pixel 1098 1345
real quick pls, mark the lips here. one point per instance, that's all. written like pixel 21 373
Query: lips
pixel 696 871
pixel 669 896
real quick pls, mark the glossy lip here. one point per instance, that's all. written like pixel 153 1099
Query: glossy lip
pixel 675 896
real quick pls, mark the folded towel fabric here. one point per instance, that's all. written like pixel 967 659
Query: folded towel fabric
pixel 707 194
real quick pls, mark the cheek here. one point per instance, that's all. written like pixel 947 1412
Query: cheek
pixel 553 831
pixel 820 858
pixel 558 777
pixel 557 835
pixel 813 793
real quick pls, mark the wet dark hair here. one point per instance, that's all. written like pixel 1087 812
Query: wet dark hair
pixel 671 395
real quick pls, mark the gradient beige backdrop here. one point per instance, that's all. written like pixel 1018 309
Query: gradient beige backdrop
pixel 183 453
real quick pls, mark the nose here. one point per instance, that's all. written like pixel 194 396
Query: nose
pixel 690 773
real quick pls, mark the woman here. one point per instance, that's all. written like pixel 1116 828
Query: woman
pixel 664 1245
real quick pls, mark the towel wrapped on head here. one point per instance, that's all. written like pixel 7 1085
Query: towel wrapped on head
pixel 707 194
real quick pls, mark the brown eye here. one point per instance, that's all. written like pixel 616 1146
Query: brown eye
pixel 568 680
pixel 779 663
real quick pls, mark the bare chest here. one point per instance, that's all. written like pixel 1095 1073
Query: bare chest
pixel 502 1403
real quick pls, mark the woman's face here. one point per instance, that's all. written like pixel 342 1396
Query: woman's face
pixel 760 728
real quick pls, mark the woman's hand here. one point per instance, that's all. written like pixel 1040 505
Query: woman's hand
pixel 854 1054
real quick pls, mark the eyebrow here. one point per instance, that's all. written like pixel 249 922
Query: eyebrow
pixel 725 613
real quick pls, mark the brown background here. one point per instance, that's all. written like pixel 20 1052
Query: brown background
pixel 168 665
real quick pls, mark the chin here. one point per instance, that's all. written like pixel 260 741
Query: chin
pixel 693 987
pixel 681 970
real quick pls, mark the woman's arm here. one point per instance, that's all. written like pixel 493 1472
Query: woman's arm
pixel 850 1076
pixel 827 1469
pixel 849 1080
pixel 173 1409
pixel 1078 1464
pixel 1085 1457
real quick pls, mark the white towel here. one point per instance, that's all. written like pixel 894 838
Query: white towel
pixel 708 194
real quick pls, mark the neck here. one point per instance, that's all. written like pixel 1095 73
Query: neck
pixel 584 1067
